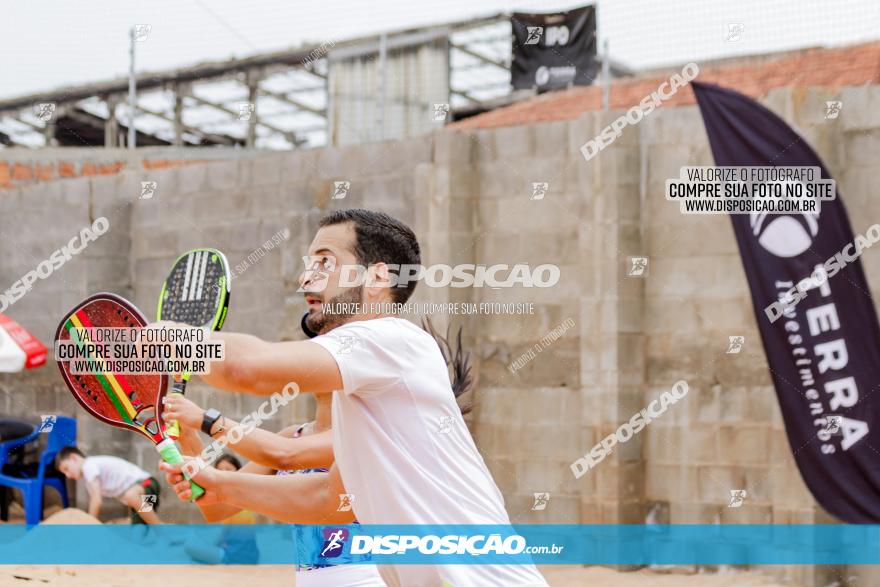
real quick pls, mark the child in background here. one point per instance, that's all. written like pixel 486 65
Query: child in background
pixel 108 476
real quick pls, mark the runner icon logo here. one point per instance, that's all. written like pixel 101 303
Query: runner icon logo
pixel 334 541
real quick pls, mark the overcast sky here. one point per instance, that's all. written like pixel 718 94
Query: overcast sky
pixel 54 43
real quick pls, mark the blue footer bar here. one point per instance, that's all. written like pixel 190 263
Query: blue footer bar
pixel 708 544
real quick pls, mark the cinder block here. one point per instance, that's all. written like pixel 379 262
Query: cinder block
pixel 702 444
pixel 75 192
pixel 452 148
pixel 744 444
pixel 222 175
pixel 330 163
pixel 551 138
pixel 299 166
pixel 693 513
pixel 716 483
pixel 108 274
pixel 862 148
pixel 664 444
pixel 860 109
pixel 761 404
pixel 190 178
pixel 483 145
pixel 514 142
pixel 580 130
pixel 681 125
pixel 267 169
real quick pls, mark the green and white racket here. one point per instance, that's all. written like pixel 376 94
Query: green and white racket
pixel 196 292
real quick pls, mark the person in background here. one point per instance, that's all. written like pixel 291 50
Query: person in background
pixel 235 545
pixel 108 476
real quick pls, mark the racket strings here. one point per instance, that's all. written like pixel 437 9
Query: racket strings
pixel 194 289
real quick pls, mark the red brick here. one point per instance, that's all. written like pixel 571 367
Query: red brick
pixel 66 169
pixel 111 169
pixel 22 172
pixel 163 163
pixel 44 172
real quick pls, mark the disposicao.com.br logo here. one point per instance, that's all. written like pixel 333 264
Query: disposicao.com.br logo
pixel 450 544
pixel 435 544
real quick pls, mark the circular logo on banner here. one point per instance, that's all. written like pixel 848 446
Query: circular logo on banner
pixel 785 235
pixel 542 76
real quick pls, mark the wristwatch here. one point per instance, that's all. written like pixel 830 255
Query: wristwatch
pixel 209 419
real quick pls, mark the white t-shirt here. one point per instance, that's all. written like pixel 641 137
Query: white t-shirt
pixel 404 451
pixel 115 475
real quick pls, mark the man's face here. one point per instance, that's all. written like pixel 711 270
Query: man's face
pixel 71 467
pixel 331 249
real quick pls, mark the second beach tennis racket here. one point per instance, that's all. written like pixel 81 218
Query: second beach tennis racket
pixel 196 292
pixel 132 402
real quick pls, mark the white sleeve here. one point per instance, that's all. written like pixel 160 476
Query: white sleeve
pixel 90 471
pixel 366 358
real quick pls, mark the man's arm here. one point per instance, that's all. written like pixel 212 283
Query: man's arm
pixel 283 451
pixel 276 451
pixel 295 499
pixel 218 512
pixel 191 445
pixel 189 441
pixel 95 500
pixel 255 366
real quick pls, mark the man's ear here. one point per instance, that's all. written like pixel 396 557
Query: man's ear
pixel 379 275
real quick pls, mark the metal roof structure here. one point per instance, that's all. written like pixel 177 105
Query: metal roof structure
pixel 275 100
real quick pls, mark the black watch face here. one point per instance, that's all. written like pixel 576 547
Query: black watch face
pixel 211 416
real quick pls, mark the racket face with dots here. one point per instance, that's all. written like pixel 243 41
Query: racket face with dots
pixel 196 292
pixel 132 402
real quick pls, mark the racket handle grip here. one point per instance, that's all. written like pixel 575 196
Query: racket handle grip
pixel 172 429
pixel 171 455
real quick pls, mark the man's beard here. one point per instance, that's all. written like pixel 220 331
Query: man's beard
pixel 348 300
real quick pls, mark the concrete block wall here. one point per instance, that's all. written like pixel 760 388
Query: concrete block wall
pixel 467 195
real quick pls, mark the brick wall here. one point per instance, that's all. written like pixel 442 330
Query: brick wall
pixel 23 167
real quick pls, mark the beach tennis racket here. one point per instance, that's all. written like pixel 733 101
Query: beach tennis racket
pixel 132 402
pixel 196 292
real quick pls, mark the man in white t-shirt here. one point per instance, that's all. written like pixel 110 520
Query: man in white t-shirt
pixel 403 452
pixel 108 476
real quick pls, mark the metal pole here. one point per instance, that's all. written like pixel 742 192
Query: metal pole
pixel 383 52
pixel 178 115
pixel 253 82
pixel 111 127
pixel 606 77
pixel 132 97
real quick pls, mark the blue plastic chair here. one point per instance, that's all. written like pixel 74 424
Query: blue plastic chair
pixel 62 434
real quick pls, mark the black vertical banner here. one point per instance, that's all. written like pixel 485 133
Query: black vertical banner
pixel 823 352
pixel 552 51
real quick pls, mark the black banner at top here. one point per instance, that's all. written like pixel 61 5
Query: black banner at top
pixel 822 342
pixel 553 51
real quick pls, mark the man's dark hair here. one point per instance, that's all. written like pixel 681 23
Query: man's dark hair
pixel 381 238
pixel 232 460
pixel 65 453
